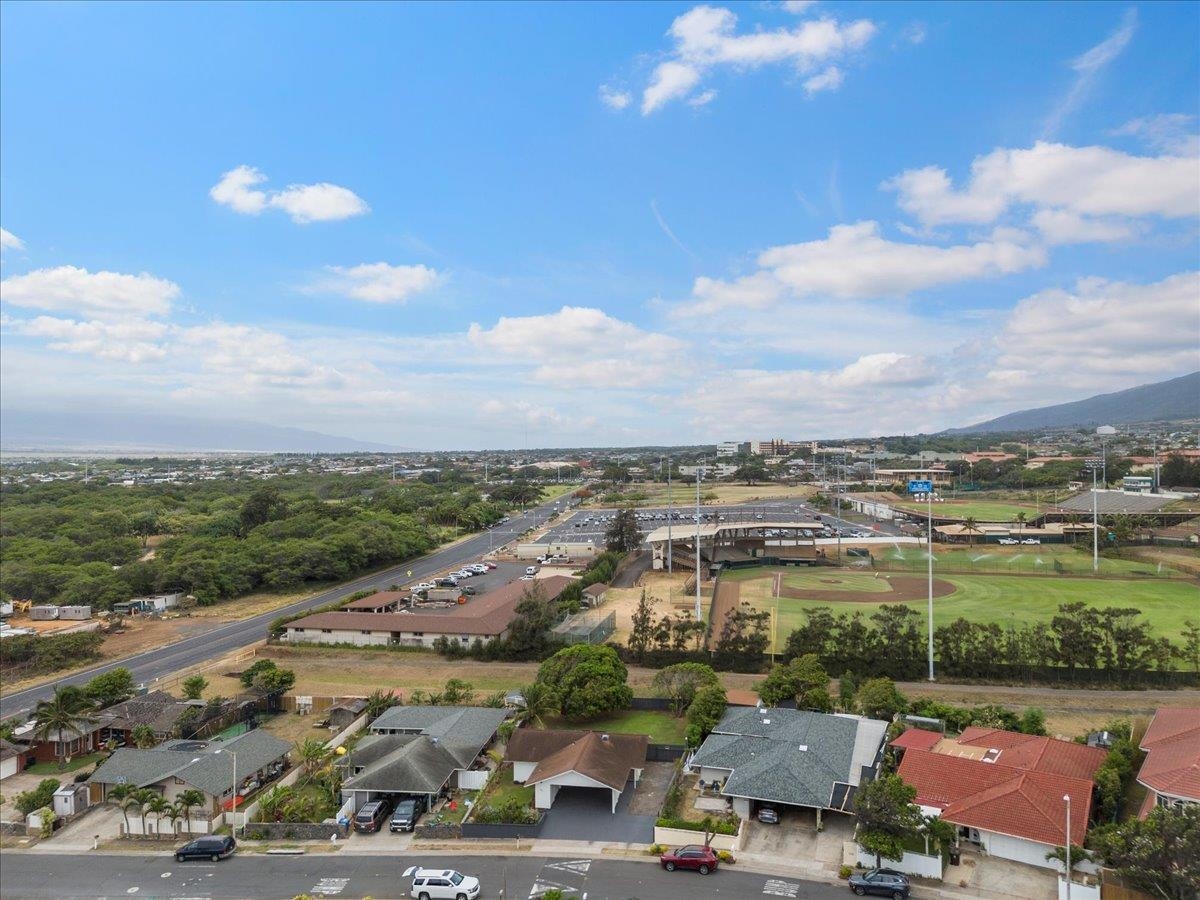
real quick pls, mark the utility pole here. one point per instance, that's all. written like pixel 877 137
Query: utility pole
pixel 670 515
pixel 929 546
pixel 1095 527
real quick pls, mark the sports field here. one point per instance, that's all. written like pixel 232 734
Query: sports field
pixel 1030 559
pixel 1166 603
pixel 980 510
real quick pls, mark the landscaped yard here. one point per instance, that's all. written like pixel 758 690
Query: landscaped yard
pixel 662 727
pixel 502 788
pixel 1011 599
pixel 50 769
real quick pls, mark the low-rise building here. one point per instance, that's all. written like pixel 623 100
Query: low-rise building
pixel 157 710
pixel 1171 770
pixel 788 757
pixel 550 760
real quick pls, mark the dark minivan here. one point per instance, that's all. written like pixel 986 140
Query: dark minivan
pixel 371 817
pixel 406 814
pixel 213 847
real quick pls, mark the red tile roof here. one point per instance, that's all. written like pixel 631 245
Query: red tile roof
pixel 918 739
pixel 1037 754
pixel 993 797
pixel 1172 745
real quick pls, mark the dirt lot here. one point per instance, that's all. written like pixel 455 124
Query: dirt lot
pixel 666 590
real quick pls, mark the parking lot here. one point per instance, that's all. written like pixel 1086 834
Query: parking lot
pixel 591 524
pixel 490 581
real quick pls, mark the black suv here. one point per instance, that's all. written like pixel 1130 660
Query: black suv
pixel 883 882
pixel 213 847
pixel 407 812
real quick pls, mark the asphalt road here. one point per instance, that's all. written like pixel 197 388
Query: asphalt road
pixel 192 651
pixel 41 875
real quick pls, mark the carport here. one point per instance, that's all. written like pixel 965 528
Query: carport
pixel 549 761
pixel 545 792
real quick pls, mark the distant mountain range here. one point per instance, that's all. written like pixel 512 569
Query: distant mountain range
pixel 1164 401
pixel 129 432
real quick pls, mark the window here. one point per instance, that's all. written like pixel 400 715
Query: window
pixel 326 631
pixel 298 630
pixel 366 631
pixel 464 638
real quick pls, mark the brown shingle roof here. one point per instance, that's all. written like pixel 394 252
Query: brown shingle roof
pixel 157 709
pixel 382 598
pixel 595 590
pixel 603 757
pixel 486 616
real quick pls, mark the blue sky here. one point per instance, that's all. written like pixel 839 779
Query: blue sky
pixel 457 225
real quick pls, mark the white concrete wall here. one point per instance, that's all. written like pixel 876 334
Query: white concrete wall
pixel 709 775
pixel 375 638
pixel 522 771
pixel 677 837
pixel 9 767
pixel 543 796
pixel 911 864
pixel 741 806
pixel 1017 849
pixel 1078 891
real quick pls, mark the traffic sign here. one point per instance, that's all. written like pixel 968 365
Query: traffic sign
pixel 920 487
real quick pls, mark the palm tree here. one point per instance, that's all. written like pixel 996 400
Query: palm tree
pixel 1073 520
pixel 1021 519
pixel 143 736
pixel 172 814
pixel 971 527
pixel 118 794
pixel 144 797
pixel 158 804
pixel 539 701
pixel 134 802
pixel 185 800
pixel 312 755
pixel 66 713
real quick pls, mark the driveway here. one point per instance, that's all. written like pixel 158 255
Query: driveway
pixel 583 814
pixel 18 784
pixel 980 872
pixel 796 838
pixel 101 822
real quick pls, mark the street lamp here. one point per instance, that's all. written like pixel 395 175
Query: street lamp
pixel 1067 799
pixel 1092 464
pixel 1103 432
pixel 698 616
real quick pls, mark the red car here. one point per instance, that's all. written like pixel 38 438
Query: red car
pixel 693 856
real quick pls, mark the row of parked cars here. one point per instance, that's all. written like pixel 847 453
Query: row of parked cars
pixel 1011 542
pixel 454 578
pixel 403 817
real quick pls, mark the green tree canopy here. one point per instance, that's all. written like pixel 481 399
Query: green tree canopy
pixel 887 816
pixel 193 686
pixel 623 535
pixel 1159 854
pixel 679 683
pixel 589 681
pixel 705 711
pixel 878 698
pixel 111 687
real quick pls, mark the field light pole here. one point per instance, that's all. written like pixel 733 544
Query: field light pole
pixel 1095 524
pixel 929 547
pixel 698 617
pixel 670 515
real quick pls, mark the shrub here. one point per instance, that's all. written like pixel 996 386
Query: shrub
pixel 43 795
pixel 726 857
pixel 657 850
pixel 844 872
pixel 722 827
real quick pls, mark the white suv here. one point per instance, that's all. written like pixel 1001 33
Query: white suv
pixel 479 569
pixel 441 884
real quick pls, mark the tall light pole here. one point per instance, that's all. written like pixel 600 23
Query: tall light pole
pixel 1067 798
pixel 698 616
pixel 1095 521
pixel 1104 432
pixel 929 547
pixel 670 515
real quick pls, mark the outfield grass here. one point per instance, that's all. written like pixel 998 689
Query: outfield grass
pixel 662 727
pixel 683 493
pixel 980 510
pixel 993 559
pixel 1166 604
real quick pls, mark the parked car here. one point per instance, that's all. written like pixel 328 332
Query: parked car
pixel 489 565
pixel 441 884
pixel 768 815
pixel 479 568
pixel 468 590
pixel 407 812
pixel 213 847
pixel 1031 541
pixel 1008 542
pixel 423 586
pixel 528 577
pixel 881 882
pixel 693 856
pixel 370 817
pixel 448 581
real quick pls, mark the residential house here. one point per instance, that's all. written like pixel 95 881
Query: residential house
pixel 1004 790
pixel 788 757
pixel 78 740
pixel 1171 769
pixel 484 618
pixel 594 594
pixel 211 767
pixel 13 758
pixel 157 709
pixel 421 750
pixel 551 760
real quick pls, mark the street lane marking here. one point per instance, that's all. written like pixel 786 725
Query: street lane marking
pixel 777 888
pixel 579 866
pixel 328 886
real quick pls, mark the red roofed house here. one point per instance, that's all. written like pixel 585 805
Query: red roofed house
pixel 1171 770
pixel 1003 790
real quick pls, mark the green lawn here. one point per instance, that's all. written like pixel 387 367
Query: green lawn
pixel 995 598
pixel 662 727
pixel 51 769
pixel 501 788
pixel 980 510
pixel 993 559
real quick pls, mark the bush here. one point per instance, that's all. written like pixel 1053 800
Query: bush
pixel 510 811
pixel 726 857
pixel 722 827
pixel 43 795
pixel 844 872
pixel 657 849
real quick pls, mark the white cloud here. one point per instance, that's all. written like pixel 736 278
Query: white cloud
pixel 614 98
pixel 829 80
pixel 378 282
pixel 1087 68
pixel 705 38
pixel 133 341
pixel 1087 181
pixel 238 189
pixel 1101 334
pixel 254 356
pixel 9 241
pixel 796 7
pixel 1172 133
pixel 855 262
pixel 914 33
pixel 103 294
pixel 580 346
pixel 703 99
pixel 1060 226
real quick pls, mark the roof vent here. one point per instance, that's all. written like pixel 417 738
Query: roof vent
pixel 804 748
pixel 766 721
pixel 433 740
